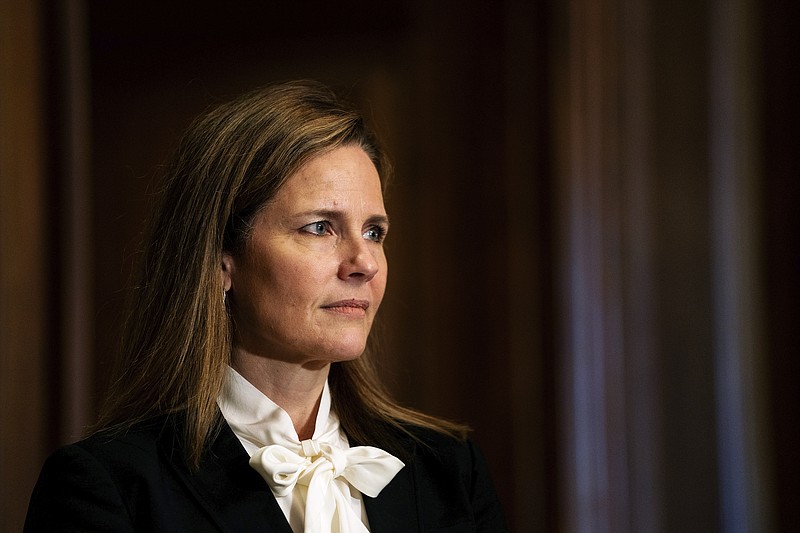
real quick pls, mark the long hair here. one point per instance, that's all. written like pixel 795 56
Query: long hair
pixel 177 338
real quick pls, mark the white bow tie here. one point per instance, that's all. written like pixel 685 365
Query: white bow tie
pixel 320 471
pixel 326 470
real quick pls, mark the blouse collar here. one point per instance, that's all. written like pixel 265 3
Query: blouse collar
pixel 258 421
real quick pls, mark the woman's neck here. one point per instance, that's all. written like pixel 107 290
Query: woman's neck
pixel 297 389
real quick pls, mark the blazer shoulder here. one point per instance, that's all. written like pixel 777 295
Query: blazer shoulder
pixel 104 482
pixel 137 446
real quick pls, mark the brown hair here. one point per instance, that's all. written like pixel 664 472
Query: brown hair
pixel 177 338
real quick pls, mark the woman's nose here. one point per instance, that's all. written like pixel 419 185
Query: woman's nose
pixel 359 261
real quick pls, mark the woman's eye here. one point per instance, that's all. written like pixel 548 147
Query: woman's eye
pixel 375 233
pixel 316 228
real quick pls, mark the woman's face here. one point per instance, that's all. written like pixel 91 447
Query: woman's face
pixel 312 275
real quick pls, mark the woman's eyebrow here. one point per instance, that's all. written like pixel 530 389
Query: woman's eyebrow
pixel 380 220
pixel 338 214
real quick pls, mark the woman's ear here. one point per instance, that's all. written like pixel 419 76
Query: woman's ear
pixel 226 270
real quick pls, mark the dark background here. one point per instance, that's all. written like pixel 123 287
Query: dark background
pixel 594 251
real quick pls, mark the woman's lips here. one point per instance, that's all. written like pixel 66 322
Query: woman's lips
pixel 354 308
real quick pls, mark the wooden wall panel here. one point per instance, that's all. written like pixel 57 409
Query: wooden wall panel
pixel 659 182
pixel 780 60
pixel 24 326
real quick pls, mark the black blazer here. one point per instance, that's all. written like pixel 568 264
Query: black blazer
pixel 139 482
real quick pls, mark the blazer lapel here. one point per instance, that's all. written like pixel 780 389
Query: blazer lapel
pixel 235 497
pixel 394 510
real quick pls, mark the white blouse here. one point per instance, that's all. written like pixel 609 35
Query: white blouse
pixel 290 467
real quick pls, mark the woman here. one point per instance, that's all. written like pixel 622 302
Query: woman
pixel 245 400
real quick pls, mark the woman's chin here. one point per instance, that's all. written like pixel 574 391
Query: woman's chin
pixel 347 351
pixel 349 355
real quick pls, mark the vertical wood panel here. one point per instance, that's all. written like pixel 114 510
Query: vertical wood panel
pixel 590 199
pixel 529 264
pixel 73 167
pixel 740 365
pixel 23 252
pixel 633 147
pixel 780 59
pixel 638 232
